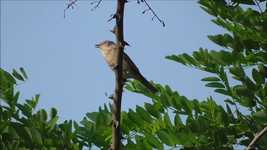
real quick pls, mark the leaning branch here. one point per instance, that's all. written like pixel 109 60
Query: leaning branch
pixel 98 2
pixel 257 137
pixel 153 12
pixel 116 108
pixel 70 4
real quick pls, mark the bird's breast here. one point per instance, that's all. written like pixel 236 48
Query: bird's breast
pixel 110 57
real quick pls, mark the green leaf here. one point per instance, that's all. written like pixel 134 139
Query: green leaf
pixel 53 112
pixel 23 73
pixel 247 102
pixel 186 105
pixel 92 116
pixel 185 138
pixel 42 115
pixel 242 90
pixel 33 102
pixel 238 72
pixel 28 133
pixel 177 59
pixel 167 121
pixel 229 101
pixel 134 118
pixel 177 120
pixel 151 109
pixel 222 40
pixel 36 136
pixel 210 79
pixel 215 85
pixel 166 138
pixel 75 125
pixel 11 131
pixel 223 91
pixel 248 2
pixel 6 78
pixel 143 114
pixel 257 76
pixel 141 143
pixel 189 59
pixel 51 124
pixel 154 141
pixel 16 97
pixel 260 117
pixel 17 75
pixel 25 109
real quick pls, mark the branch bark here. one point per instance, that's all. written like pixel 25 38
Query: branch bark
pixel 257 137
pixel 116 109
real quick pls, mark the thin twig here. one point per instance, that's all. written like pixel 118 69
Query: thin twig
pixel 70 5
pixel 97 4
pixel 114 31
pixel 153 12
pixel 257 137
pixel 113 16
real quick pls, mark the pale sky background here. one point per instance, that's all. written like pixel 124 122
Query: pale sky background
pixel 69 72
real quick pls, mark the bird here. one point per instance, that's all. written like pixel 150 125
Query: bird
pixel 130 70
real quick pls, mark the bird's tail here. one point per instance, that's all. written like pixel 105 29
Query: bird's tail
pixel 146 83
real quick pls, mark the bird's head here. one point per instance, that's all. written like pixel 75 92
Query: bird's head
pixel 105 45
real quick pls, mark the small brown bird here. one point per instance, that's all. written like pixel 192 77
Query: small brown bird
pixel 130 70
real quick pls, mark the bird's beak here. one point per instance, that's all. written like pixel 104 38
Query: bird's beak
pixel 97 45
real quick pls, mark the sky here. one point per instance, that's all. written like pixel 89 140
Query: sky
pixel 69 72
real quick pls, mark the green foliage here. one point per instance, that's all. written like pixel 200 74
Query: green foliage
pixel 24 127
pixel 199 125
pixel 95 129
pixel 244 59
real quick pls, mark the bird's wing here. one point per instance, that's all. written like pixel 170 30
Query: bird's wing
pixel 134 71
pixel 130 63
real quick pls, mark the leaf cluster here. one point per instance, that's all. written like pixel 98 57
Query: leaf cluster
pixel 23 127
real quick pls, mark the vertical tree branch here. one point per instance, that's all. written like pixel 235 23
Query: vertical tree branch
pixel 116 112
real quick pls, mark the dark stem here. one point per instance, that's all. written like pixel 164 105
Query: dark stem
pixel 97 4
pixel 116 108
pixel 257 137
pixel 71 4
pixel 154 13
